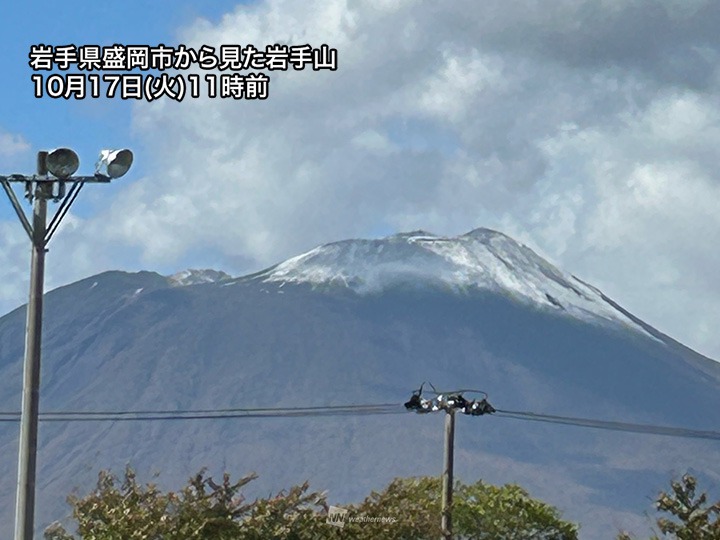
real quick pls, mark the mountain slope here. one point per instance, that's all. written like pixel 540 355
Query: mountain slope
pixel 481 259
pixel 365 322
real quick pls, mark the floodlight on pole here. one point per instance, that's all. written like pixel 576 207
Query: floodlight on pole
pixel 113 163
pixel 61 163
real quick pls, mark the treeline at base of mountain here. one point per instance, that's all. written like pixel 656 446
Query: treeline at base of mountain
pixel 408 508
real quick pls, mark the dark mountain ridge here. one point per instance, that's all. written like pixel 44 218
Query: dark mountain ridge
pixel 308 332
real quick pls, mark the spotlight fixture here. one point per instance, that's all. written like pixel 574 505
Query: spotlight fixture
pixel 113 163
pixel 62 162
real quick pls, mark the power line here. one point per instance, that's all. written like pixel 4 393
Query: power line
pixel 225 410
pixel 345 410
pixel 453 400
pixel 208 414
pixel 611 425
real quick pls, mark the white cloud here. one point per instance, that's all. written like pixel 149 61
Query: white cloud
pixel 586 129
pixel 11 145
pixel 374 142
pixel 448 119
pixel 459 83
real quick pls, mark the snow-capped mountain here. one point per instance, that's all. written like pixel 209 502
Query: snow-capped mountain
pixel 197 277
pixel 481 259
pixel 363 322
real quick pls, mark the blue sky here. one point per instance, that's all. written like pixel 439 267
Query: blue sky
pixel 87 125
pixel 586 129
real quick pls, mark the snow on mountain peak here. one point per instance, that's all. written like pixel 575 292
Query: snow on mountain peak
pixel 195 277
pixel 480 259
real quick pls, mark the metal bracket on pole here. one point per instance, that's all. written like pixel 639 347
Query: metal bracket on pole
pixel 63 209
pixel 18 209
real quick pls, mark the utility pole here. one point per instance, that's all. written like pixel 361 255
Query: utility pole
pixel 448 402
pixel 27 454
pixel 447 478
pixel 39 188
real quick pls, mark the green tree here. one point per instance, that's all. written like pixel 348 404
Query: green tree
pixel 486 512
pixel 407 509
pixel 480 512
pixel 127 510
pixel 690 515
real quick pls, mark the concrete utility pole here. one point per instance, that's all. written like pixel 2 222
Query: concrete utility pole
pixel 447 478
pixel 61 164
pixel 27 454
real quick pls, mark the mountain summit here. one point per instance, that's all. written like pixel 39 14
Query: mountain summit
pixel 196 277
pixel 482 259
pixel 362 322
